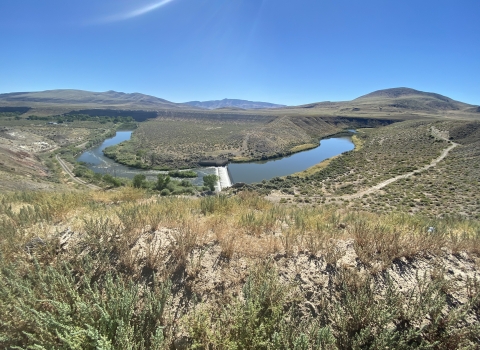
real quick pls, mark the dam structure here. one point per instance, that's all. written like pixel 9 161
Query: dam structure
pixel 224 180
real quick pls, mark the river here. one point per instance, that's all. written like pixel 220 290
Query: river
pixel 239 172
pixel 257 171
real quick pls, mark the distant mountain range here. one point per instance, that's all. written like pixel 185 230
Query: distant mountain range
pixel 400 102
pixel 232 103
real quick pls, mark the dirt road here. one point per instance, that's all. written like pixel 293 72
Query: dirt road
pixel 74 178
pixel 435 132
pixel 404 176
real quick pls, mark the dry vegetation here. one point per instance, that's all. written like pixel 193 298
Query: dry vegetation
pixel 448 188
pixel 386 152
pixel 180 143
pixel 28 147
pixel 322 269
pixel 125 269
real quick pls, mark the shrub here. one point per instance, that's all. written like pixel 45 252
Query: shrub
pixel 210 181
pixel 183 174
pixel 186 183
pixel 139 181
pixel 55 308
pixel 162 182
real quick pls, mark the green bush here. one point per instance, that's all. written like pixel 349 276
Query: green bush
pixel 186 183
pixel 162 182
pixel 53 307
pixel 82 171
pixel 183 174
pixel 139 181
pixel 210 181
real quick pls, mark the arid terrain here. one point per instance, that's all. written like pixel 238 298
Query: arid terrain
pixel 179 136
pixel 188 273
pixel 376 248
pixel 415 166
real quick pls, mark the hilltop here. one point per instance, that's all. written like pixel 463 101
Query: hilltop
pixel 401 103
pixel 412 99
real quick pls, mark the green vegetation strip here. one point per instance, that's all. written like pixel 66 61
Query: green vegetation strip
pixel 183 174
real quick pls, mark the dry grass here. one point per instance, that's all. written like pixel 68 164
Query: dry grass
pixel 314 169
pixel 358 142
pixel 199 249
pixel 304 147
pixel 447 189
pixel 243 225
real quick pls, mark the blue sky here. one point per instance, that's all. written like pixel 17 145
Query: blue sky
pixel 289 52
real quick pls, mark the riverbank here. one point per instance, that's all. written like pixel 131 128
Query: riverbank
pixel 255 172
pixel 234 172
pixel 357 143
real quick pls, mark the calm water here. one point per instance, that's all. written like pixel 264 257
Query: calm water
pixel 239 172
pixel 258 171
pixel 97 161
pixel 100 164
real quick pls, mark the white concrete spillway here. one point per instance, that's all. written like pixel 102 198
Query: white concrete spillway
pixel 224 180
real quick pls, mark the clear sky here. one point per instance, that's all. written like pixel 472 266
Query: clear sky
pixel 290 52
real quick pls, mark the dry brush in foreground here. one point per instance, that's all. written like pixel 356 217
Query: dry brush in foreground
pixel 128 270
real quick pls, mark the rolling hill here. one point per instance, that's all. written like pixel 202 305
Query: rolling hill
pixel 412 99
pixel 61 101
pixel 399 103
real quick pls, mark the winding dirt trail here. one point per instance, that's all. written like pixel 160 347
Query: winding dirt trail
pixel 72 175
pixel 396 178
pixel 435 132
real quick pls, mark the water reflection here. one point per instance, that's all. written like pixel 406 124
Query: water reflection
pixel 258 171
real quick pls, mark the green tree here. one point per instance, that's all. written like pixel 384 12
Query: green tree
pixel 162 181
pixel 139 181
pixel 210 181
